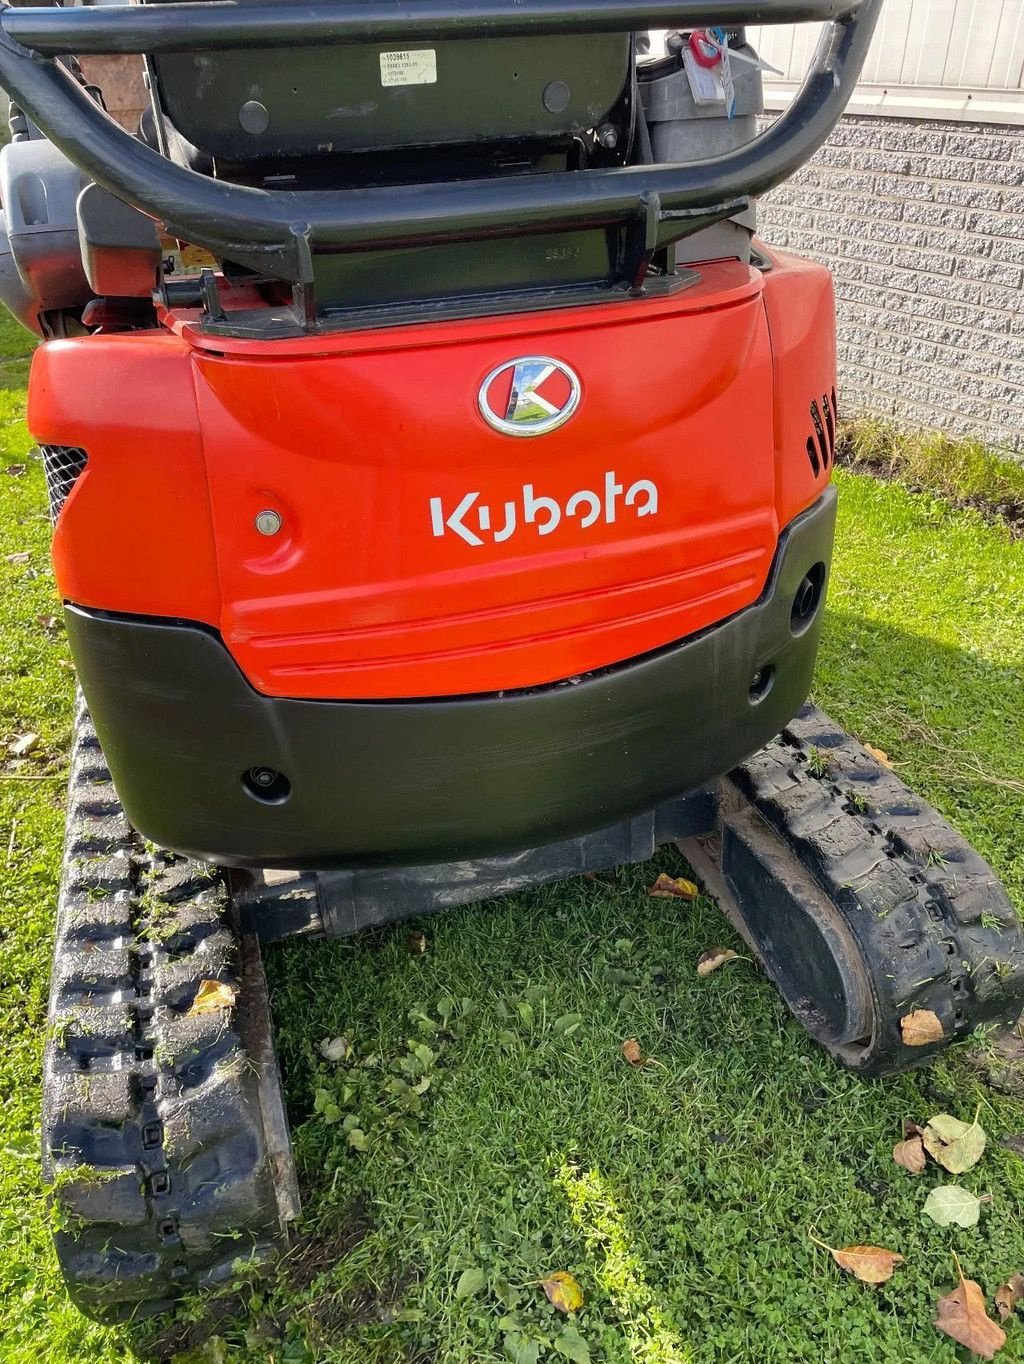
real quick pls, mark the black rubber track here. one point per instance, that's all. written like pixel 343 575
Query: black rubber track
pixel 154 1135
pixel 936 928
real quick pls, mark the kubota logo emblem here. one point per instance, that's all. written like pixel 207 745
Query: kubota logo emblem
pixel 471 520
pixel 529 396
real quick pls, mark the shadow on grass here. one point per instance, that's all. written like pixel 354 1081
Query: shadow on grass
pixel 952 723
pixel 709 1161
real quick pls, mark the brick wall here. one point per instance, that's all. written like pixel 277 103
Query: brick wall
pixel 922 224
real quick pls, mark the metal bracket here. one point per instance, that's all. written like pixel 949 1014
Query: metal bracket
pixel 277 905
pixel 304 289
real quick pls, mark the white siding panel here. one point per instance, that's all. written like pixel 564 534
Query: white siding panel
pixel 962 46
pixel 982 50
pixel 776 44
pixel 928 39
pixel 885 58
pixel 1008 55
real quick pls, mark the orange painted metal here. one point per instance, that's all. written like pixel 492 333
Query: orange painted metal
pixel 800 308
pixel 421 552
pixel 136 533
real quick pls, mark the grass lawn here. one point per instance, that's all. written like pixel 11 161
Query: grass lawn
pixel 680 1194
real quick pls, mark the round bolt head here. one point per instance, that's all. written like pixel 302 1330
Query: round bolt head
pixel 268 522
pixel 253 117
pixel 556 97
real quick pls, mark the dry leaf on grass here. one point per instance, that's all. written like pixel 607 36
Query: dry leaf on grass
pixel 714 958
pixel 920 1028
pixel 416 944
pixel 879 755
pixel 673 888
pixel 956 1145
pixel 47 622
pixel 632 1052
pixel 1009 1294
pixel 949 1203
pixel 335 1049
pixel 910 1154
pixel 563 1291
pixel 870 1264
pixel 22 557
pixel 962 1314
pixel 23 745
pixel 212 996
pixel 15 470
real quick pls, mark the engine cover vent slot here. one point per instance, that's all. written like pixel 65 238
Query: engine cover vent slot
pixel 63 466
pixel 821 447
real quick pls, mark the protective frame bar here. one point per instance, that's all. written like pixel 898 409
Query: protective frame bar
pixel 173 26
pixel 276 232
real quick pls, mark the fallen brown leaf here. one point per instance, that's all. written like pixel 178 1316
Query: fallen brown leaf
pixel 879 755
pixel 211 997
pixel 673 888
pixel 15 470
pixel 632 1052
pixel 416 944
pixel 563 1291
pixel 714 958
pixel 910 1154
pixel 22 557
pixel 1009 1294
pixel 921 1027
pixel 47 622
pixel 963 1316
pixel 870 1264
pixel 23 745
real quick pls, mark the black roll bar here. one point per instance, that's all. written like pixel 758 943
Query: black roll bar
pixel 277 231
pixel 171 26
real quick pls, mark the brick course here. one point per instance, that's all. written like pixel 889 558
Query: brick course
pixel 922 224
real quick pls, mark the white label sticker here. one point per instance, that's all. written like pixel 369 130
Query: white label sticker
pixel 409 68
pixel 705 84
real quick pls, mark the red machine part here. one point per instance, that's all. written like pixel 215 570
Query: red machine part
pixel 705 52
pixel 421 552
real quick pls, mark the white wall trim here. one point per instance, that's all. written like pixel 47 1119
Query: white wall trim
pixel 947 104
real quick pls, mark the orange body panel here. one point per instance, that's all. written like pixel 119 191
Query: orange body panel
pixel 136 532
pixel 408 563
pixel 800 307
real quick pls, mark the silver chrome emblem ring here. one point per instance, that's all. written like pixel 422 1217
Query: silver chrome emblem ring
pixel 527 412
